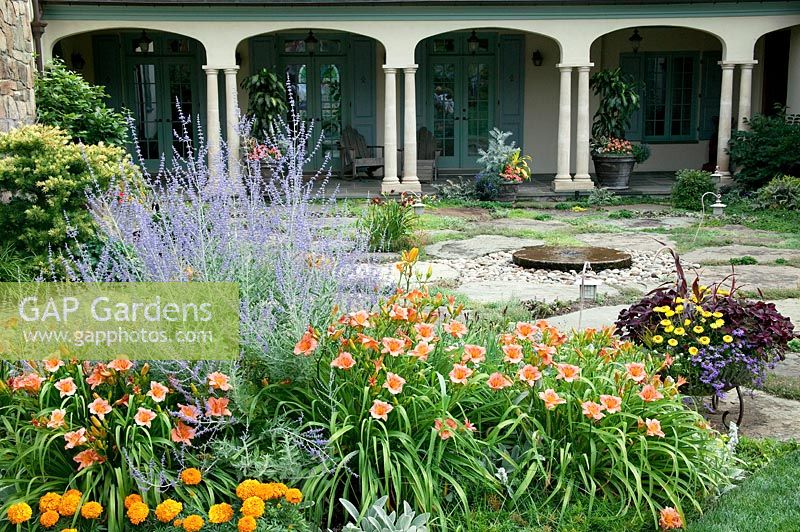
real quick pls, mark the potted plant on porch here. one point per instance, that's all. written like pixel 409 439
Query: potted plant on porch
pixel 504 168
pixel 614 157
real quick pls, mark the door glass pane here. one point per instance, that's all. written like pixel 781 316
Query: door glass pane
pixel 330 85
pixel 477 108
pixel 146 110
pixel 444 107
pixel 682 84
pixel 444 46
pixel 179 78
pixel 299 83
pixel 656 87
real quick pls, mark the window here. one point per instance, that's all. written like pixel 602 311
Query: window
pixel 668 95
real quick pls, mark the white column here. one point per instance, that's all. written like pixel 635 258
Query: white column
pixel 212 118
pixel 390 181
pixel 410 180
pixel 563 179
pixel 745 90
pixel 793 83
pixel 725 112
pixel 232 119
pixel 583 181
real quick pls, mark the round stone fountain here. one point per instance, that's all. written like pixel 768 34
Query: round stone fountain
pixel 568 258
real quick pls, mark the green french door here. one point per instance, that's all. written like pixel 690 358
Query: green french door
pixel 461 107
pixel 160 91
pixel 317 86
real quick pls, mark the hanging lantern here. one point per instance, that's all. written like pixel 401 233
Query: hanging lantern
pixel 636 40
pixel 311 42
pixel 473 42
pixel 143 44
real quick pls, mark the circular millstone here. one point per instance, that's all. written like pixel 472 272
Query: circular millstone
pixel 566 258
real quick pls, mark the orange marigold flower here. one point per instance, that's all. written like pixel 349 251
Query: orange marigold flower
pixel 247 524
pixel 19 513
pixel 49 501
pixel 592 410
pixel 294 496
pixel 460 373
pixel 513 353
pixel 568 372
pixel 280 488
pixel 168 510
pixel 49 519
pixel 220 513
pixel 253 506
pixel 653 427
pixel 474 353
pixel 266 491
pixel 455 328
pixel 380 409
pixel 91 510
pixel 69 503
pixel 498 381
pixel 612 403
pixel 344 361
pixel 636 371
pixel 670 518
pixel 551 399
pixel 649 394
pixel 248 488
pixel 193 523
pixel 138 512
pixel 132 498
pixel 191 476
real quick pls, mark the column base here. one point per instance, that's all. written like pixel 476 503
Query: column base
pixel 583 182
pixel 410 184
pixel 562 183
pixel 391 186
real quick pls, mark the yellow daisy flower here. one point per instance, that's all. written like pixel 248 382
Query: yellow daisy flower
pixel 669 328
pixel 705 340
pixel 727 338
pixel 693 350
pixel 672 342
pixel 698 329
pixel 658 339
pixel 680 331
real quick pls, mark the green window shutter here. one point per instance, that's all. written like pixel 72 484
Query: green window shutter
pixel 511 89
pixel 108 67
pixel 632 65
pixel 363 90
pixel 262 53
pixel 710 94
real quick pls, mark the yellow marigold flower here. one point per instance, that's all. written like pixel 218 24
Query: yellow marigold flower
pixel 687 322
pixel 727 338
pixel 669 328
pixel 265 491
pixel 698 329
pixel 678 308
pixel 669 313
pixel 666 323
pixel 720 322
pixel 705 340
pixel 672 342
pixel 91 510
pixel 220 513
pixel 658 339
pixel 138 512
pixel 49 501
pixel 247 524
pixel 191 476
pixel 68 504
pixel 248 488
pixel 49 518
pixel 19 513
pixel 693 350
pixel 717 314
pixel 132 498
pixel 253 506
pixel 193 523
pixel 680 331
pixel 294 496
pixel 168 510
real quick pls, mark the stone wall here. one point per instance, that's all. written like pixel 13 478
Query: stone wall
pixel 16 64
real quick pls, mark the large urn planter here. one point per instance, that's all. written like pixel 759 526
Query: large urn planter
pixel 613 171
pixel 507 191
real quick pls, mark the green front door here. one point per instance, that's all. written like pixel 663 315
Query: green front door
pixel 461 111
pixel 317 86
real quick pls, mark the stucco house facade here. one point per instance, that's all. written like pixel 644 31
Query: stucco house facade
pixel 458 68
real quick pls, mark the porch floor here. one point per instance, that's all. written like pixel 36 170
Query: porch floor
pixel 641 184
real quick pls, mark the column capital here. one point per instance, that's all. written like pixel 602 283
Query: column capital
pixel 727 65
pixel 210 70
pixel 748 64
pixel 390 70
pixel 410 69
pixel 585 68
pixel 231 70
pixel 564 67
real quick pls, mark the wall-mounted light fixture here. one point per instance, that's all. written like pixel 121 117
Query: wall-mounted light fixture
pixel 635 40
pixel 77 61
pixel 311 42
pixel 537 58
pixel 473 42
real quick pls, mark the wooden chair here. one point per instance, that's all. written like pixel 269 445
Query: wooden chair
pixel 356 155
pixel 427 154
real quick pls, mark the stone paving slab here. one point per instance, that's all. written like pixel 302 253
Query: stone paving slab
pixel 745 235
pixel 523 223
pixel 791 309
pixel 596 317
pixel 477 246
pixel 624 241
pixel 666 222
pixel 762 254
pixel 765 416
pixel 753 277
pixel 502 291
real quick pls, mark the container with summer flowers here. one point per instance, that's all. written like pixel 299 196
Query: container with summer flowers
pixel 713 337
pixel 504 168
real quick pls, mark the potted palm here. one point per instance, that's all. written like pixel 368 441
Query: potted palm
pixel 614 157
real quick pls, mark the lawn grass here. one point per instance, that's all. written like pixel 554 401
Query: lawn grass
pixel 782 386
pixel 766 501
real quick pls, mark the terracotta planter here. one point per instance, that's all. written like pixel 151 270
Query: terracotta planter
pixel 613 171
pixel 508 191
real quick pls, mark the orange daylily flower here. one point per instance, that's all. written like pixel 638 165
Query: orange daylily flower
pixel 526 331
pixel 56 420
pixel 421 351
pixel 611 403
pixel 219 381
pixel 513 353
pixel 551 399
pixel 426 332
pixel 593 410
pixel 460 373
pixel 568 372
pixel 158 392
pixel 144 417
pixel 508 339
pixel 368 342
pixel 653 427
pixel 444 433
pixel 52 364
pixel 307 344
pixel 100 407
pixel 66 387
pixel 120 364
pixel 380 409
pixel 529 374
pixel 182 433
pixel 359 319
pixel 75 438
pixel 217 407
pixel 474 353
pixel 190 412
pixel 455 328
pixel 344 361
pixel 545 353
pixel 394 383
pixel 498 381
pixel 649 394
pixel 393 346
pixel 636 371
pixel 88 458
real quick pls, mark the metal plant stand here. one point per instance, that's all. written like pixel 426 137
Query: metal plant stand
pixel 726 413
